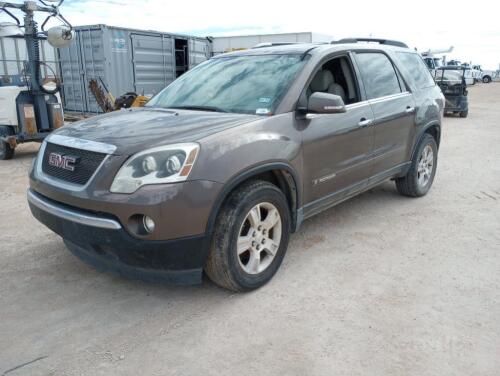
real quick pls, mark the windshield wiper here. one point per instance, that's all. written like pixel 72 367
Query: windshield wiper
pixel 200 108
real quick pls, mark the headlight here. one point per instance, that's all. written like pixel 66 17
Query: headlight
pixel 164 164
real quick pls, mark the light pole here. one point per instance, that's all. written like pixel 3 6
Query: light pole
pixel 59 36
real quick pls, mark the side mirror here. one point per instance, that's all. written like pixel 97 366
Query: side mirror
pixel 325 103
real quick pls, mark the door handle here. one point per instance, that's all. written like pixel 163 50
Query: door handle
pixel 364 122
pixel 410 110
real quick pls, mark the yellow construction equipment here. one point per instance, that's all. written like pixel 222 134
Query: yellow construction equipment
pixel 108 103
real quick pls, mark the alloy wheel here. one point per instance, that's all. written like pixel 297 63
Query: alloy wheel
pixel 425 166
pixel 259 238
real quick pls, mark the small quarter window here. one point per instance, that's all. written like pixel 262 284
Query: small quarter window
pixel 378 74
pixel 416 69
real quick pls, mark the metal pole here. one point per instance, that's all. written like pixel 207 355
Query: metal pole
pixel 33 48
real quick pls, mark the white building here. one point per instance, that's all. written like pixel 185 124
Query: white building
pixel 243 42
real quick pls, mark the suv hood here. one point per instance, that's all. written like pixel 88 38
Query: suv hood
pixel 139 129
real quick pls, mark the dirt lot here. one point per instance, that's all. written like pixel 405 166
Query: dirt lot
pixel 380 285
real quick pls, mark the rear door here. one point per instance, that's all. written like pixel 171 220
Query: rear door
pixel 92 63
pixel 74 90
pixel 152 62
pixel 393 109
pixel 197 51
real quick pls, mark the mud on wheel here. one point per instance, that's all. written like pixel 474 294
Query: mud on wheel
pixel 250 238
pixel 420 176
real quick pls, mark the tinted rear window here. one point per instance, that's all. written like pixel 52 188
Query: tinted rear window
pixel 416 68
pixel 378 74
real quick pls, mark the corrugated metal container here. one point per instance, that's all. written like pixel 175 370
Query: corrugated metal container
pixel 242 42
pixel 13 55
pixel 126 60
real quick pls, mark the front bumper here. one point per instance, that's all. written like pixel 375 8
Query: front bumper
pixel 101 241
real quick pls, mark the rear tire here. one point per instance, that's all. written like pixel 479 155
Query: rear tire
pixel 420 176
pixel 6 151
pixel 464 114
pixel 250 237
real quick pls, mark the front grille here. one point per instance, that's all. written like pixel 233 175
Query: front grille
pixel 86 163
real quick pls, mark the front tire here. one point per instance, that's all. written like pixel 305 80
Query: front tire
pixel 250 237
pixel 419 179
pixel 486 79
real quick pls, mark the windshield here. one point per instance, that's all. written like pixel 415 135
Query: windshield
pixel 241 84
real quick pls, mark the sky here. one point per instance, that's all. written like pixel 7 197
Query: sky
pixel 473 28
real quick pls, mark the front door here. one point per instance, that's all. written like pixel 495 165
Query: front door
pixel 336 147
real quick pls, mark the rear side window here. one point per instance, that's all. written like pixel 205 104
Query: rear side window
pixel 416 68
pixel 378 74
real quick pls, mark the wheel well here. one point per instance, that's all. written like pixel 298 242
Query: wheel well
pixel 285 182
pixel 434 131
pixel 281 178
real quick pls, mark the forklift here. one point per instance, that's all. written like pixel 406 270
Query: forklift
pixel 32 109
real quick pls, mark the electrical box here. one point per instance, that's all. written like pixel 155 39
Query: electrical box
pixel 27 119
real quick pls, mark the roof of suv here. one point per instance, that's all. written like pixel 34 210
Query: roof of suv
pixel 310 48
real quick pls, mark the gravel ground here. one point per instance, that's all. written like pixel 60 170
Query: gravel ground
pixel 379 285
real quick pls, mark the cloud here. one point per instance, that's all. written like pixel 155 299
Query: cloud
pixel 423 24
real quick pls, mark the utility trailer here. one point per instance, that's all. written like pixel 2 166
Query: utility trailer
pixel 30 108
pixel 20 119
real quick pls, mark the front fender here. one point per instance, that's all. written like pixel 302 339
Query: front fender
pixel 236 180
pixel 227 154
pixel 269 144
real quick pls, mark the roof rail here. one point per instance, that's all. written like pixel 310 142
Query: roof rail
pixel 387 42
pixel 273 44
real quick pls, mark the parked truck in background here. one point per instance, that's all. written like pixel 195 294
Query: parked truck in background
pixel 486 76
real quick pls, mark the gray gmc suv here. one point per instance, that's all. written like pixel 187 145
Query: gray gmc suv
pixel 220 167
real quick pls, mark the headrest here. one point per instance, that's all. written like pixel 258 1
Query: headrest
pixel 322 81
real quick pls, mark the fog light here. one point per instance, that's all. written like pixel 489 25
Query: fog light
pixel 149 224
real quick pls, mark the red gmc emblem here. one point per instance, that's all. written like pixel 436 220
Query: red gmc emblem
pixel 66 162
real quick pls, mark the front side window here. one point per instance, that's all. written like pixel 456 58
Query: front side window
pixel 336 77
pixel 378 74
pixel 241 84
pixel 416 69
